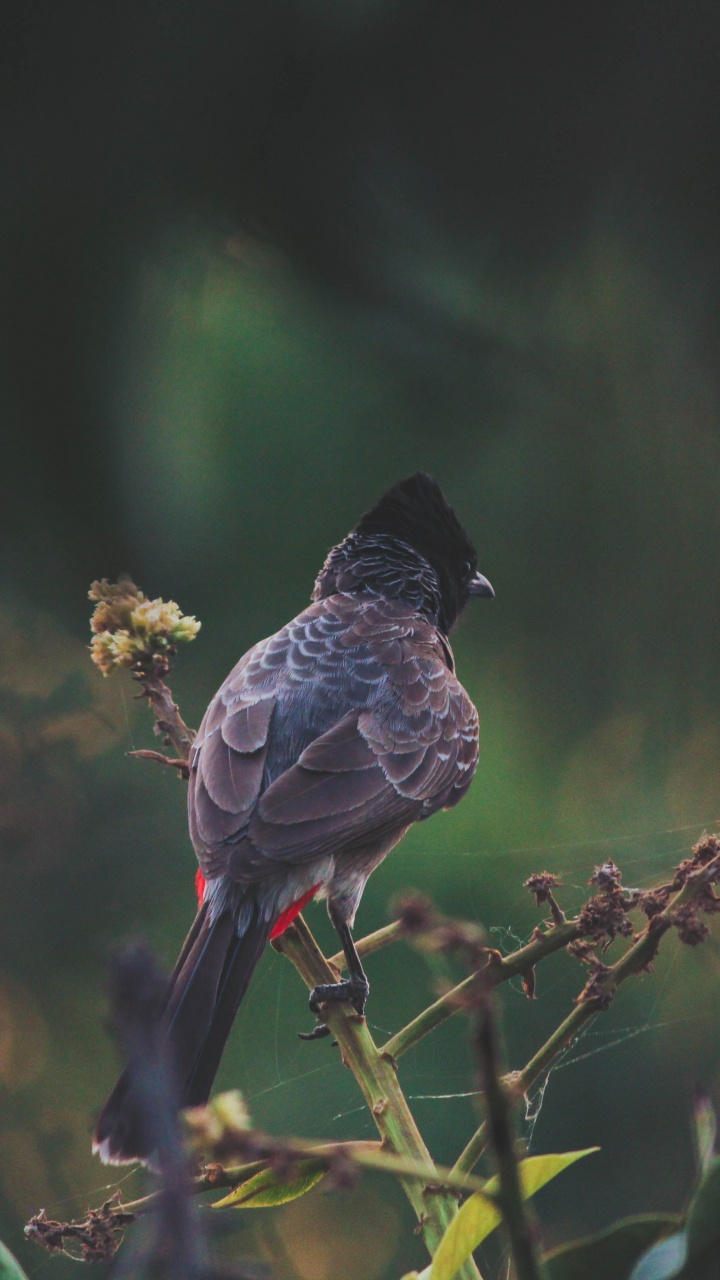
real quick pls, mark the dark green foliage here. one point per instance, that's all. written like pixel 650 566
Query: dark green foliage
pixel 610 1253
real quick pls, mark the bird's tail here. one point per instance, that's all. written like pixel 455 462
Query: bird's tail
pixel 202 999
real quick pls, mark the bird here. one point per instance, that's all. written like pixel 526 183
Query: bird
pixel 325 743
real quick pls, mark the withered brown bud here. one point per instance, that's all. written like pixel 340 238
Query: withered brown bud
pixel 706 849
pixel 604 918
pixel 415 913
pixel 594 989
pixel 703 852
pixel 582 950
pixel 540 884
pixel 607 877
pixel 654 901
pixel 691 929
pixel 528 983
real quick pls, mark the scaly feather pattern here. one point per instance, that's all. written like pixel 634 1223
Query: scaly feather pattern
pixel 323 745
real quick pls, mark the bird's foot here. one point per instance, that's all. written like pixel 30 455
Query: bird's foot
pixel 318 1033
pixel 355 989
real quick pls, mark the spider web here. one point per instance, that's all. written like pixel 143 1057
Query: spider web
pixel 641 868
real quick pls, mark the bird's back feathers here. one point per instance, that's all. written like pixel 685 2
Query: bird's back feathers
pixel 346 725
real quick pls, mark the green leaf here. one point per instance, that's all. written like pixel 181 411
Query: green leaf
pixel 610 1253
pixel 692 1254
pixel 10 1268
pixel 663 1261
pixel 703 1219
pixel 267 1189
pixel 479 1216
pixel 705 1125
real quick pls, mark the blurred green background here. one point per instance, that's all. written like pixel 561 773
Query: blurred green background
pixel 258 262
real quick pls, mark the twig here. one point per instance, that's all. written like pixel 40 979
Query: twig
pixel 372 942
pixel 167 714
pixel 600 990
pixel 500 969
pixel 367 1155
pixel 158 757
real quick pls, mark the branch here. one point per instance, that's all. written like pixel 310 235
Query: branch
pixel 170 723
pixel 695 893
pixel 180 764
pixel 499 969
pixel 373 942
pixel 434 1207
pixel 364 1155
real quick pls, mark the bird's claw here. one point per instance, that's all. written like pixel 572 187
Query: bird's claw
pixel 318 1033
pixel 355 989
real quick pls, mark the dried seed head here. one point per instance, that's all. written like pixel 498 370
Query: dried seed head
pixel 540 885
pixel 691 929
pixel 654 901
pixel 607 877
pixel 604 918
pixel 582 950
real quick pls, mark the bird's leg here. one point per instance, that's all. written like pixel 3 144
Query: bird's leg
pixel 354 988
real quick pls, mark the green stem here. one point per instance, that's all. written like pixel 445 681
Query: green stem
pixel 367 1155
pixel 373 942
pixel 635 960
pixel 500 969
pixel 435 1208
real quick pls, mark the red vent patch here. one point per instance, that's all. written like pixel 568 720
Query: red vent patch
pixel 287 916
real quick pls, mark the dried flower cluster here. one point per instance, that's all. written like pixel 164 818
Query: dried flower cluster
pixel 686 919
pixel 93 1240
pixel 604 917
pixel 131 631
pixel 541 885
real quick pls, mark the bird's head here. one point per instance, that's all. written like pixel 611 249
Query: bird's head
pixel 410 546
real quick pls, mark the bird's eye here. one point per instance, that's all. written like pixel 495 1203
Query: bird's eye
pixel 468 569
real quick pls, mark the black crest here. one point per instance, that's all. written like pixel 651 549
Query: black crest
pixel 409 546
pixel 416 511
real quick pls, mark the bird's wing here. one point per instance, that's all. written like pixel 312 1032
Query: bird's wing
pixel 374 772
pixel 228 758
pixel 294 679
pixel 370 731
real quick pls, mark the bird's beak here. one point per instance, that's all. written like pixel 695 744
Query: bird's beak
pixel 479 586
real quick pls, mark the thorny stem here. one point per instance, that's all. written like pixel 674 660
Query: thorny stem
pixel 635 960
pixel 375 1073
pixel 517 1218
